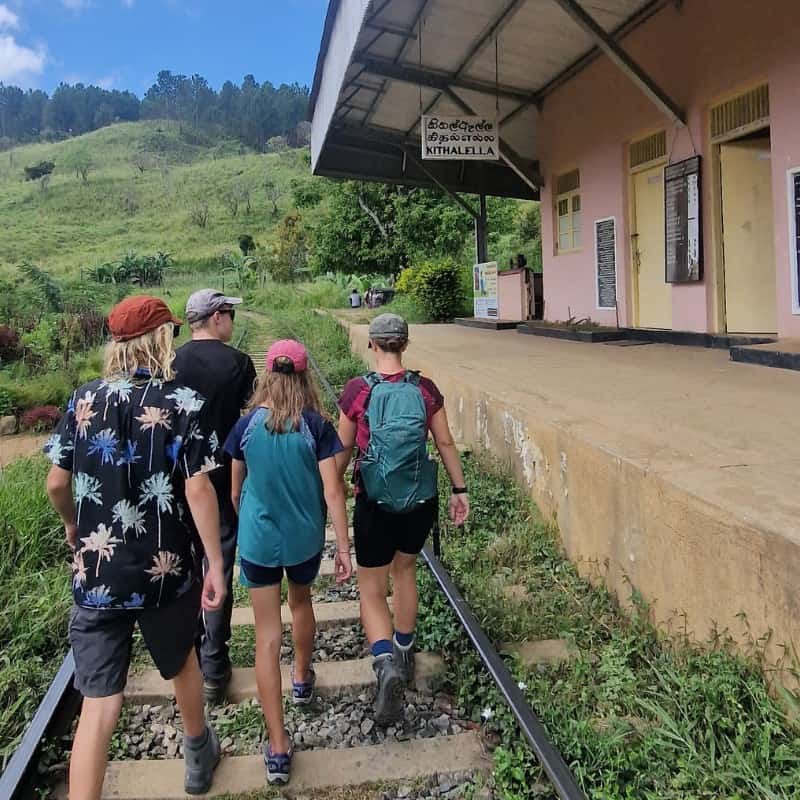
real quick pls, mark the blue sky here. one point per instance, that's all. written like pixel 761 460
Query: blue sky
pixel 122 44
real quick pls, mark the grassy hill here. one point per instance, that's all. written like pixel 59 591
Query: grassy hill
pixel 75 224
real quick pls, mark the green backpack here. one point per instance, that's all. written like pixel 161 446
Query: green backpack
pixel 396 471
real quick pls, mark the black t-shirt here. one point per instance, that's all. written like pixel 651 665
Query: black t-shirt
pixel 225 377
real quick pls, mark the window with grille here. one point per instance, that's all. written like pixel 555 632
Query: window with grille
pixel 568 212
pixel 740 114
pixel 649 149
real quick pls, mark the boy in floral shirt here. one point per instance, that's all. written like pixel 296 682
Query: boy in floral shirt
pixel 130 462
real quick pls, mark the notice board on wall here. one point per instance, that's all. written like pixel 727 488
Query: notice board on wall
pixel 484 277
pixel 605 258
pixel 683 249
pixel 794 233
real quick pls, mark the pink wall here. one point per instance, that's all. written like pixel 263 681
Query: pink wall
pixel 697 55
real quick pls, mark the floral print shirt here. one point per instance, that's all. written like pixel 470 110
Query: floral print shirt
pixel 130 445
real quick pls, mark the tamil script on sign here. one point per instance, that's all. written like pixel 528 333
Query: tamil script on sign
pixel 460 138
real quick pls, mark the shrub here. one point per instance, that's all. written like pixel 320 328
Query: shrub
pixel 437 288
pixel 36 171
pixel 43 418
pixel 6 404
pixel 40 345
pixel 246 244
pixel 9 345
pixel 408 281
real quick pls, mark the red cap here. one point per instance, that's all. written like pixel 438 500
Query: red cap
pixel 288 348
pixel 138 315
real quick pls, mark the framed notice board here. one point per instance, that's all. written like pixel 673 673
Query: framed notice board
pixel 605 259
pixel 794 236
pixel 683 222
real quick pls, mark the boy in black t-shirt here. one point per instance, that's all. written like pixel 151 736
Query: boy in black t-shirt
pixel 225 377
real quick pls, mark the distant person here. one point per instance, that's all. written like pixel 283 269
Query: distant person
pixel 355 299
pixel 396 498
pixel 285 482
pixel 225 377
pixel 368 297
pixel 522 262
pixel 138 452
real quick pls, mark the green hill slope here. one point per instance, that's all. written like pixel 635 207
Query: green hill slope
pixel 72 224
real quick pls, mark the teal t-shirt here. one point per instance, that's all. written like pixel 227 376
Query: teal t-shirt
pixel 282 509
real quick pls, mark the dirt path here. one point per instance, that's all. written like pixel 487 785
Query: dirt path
pixel 23 444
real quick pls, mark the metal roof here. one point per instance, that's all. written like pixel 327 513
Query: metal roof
pixel 383 63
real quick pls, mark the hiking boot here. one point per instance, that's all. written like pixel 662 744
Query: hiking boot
pixel 390 694
pixel 279 765
pixel 214 690
pixel 405 658
pixel 200 764
pixel 303 691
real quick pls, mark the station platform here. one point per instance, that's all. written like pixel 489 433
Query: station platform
pixel 669 469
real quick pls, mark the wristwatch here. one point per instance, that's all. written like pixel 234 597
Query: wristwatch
pixel 459 490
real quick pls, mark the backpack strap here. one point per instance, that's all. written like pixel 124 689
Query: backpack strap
pixel 412 376
pixel 372 379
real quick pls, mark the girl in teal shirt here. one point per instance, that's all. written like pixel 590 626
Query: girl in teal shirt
pixel 284 485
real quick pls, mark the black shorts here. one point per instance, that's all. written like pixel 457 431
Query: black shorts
pixel 101 642
pixel 256 577
pixel 380 534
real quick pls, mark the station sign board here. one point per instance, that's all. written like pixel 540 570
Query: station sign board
pixel 461 138
pixel 484 279
pixel 684 253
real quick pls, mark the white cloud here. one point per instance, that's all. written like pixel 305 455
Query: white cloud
pixel 19 63
pixel 8 19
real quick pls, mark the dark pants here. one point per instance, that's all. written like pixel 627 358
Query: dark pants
pixel 215 626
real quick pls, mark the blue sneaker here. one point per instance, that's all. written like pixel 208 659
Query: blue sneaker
pixel 303 691
pixel 279 765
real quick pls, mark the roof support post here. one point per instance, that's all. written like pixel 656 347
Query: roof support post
pixel 481 249
pixel 507 153
pixel 612 49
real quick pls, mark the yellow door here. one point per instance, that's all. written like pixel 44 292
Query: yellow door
pixel 747 231
pixel 653 293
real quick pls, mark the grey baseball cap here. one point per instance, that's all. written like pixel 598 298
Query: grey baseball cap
pixel 388 326
pixel 204 303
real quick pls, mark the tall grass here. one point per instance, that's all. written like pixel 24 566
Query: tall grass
pixel 34 596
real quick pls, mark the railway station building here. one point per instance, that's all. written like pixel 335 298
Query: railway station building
pixel 611 112
pixel 662 138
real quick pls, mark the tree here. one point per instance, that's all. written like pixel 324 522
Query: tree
pixel 351 239
pixel 80 159
pixel 198 214
pixel 306 192
pixel 290 248
pixel 274 195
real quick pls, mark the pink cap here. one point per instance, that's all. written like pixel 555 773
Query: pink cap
pixel 288 348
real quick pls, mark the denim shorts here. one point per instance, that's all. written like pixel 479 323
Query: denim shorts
pixel 255 576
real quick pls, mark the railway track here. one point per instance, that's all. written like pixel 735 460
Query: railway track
pixel 433 752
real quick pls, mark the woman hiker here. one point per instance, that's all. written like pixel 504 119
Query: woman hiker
pixel 284 483
pixel 130 454
pixel 388 414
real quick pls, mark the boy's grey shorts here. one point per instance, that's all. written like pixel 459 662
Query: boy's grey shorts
pixel 101 642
